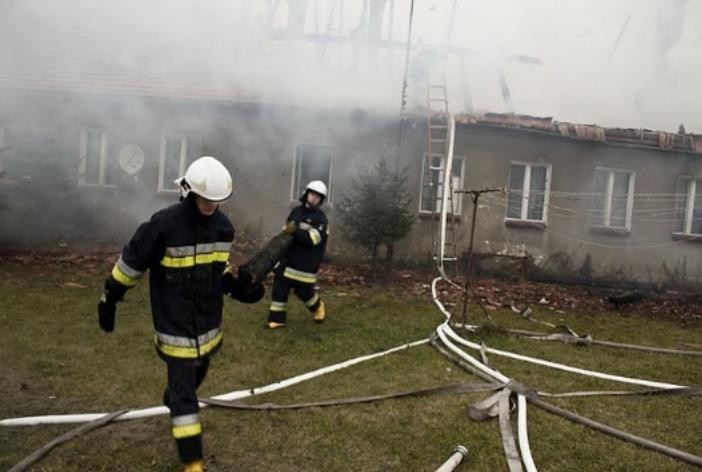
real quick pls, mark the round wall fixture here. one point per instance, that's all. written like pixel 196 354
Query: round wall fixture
pixel 131 158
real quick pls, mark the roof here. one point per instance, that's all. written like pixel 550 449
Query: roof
pixel 639 137
pixel 76 59
pixel 46 69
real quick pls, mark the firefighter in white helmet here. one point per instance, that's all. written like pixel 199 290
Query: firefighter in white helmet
pixel 297 270
pixel 185 247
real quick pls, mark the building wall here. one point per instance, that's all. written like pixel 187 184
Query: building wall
pixel 569 238
pixel 258 144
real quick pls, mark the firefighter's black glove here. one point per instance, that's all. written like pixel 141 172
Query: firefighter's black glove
pixel 242 288
pixel 251 293
pixel 106 315
pixel 107 307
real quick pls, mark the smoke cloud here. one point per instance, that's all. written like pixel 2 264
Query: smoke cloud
pixel 628 63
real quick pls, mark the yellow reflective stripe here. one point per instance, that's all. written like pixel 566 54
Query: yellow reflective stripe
pixel 278 308
pixel 189 261
pixel 184 341
pixel 123 278
pixel 312 300
pixel 315 236
pixel 202 248
pixel 187 430
pixel 299 275
pixel 188 352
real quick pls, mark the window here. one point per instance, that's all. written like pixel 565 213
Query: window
pixel 3 149
pixel 97 157
pixel 177 152
pixel 613 198
pixel 528 192
pixel 432 183
pixel 688 211
pixel 312 162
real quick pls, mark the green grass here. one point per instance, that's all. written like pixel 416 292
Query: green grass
pixel 56 360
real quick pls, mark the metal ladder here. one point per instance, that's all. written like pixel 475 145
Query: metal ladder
pixel 440 139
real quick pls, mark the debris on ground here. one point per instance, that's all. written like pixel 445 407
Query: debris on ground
pixel 493 293
pixel 627 296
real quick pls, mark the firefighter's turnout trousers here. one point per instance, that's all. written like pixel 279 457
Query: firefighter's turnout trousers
pixel 281 291
pixel 180 396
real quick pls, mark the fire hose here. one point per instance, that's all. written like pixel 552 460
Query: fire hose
pixel 235 395
pixel 459 453
pixel 444 331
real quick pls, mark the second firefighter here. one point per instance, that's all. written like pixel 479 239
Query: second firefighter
pixel 297 269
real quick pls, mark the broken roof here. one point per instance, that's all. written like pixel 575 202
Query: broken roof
pixel 639 137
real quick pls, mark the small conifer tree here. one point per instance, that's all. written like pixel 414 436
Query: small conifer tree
pixel 375 210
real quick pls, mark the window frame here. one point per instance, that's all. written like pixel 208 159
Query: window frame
pixel 457 200
pixel 104 157
pixel 609 195
pixel 2 148
pixel 524 211
pixel 185 144
pixel 689 208
pixel 295 178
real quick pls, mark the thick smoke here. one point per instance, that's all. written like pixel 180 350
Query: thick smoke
pixel 627 63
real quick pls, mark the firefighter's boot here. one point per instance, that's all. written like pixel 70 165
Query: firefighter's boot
pixel 319 313
pixel 194 466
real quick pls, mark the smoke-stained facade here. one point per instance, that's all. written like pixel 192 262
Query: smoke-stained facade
pixel 102 106
pixel 85 168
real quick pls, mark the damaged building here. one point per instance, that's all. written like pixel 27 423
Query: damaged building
pixel 94 152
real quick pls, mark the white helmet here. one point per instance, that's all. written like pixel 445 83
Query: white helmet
pixel 208 178
pixel 317 186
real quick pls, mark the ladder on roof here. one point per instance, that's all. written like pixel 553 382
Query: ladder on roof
pixel 440 140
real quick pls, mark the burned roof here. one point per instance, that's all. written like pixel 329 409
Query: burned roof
pixel 638 137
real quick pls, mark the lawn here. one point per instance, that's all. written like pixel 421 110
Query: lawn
pixel 56 360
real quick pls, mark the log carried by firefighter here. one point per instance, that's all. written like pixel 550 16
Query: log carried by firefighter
pixel 264 261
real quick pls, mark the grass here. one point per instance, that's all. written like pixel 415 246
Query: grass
pixel 56 360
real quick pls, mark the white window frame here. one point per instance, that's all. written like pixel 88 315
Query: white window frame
pixel 104 157
pixel 457 209
pixel 295 178
pixel 524 211
pixel 2 149
pixel 183 157
pixel 689 205
pixel 605 222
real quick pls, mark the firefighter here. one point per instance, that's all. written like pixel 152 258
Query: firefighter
pixel 297 270
pixel 185 247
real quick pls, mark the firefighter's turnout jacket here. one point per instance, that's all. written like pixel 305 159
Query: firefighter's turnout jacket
pixel 186 254
pixel 304 255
